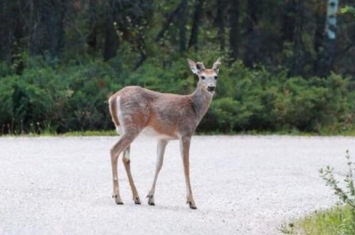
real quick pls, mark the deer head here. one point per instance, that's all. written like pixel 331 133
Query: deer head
pixel 207 77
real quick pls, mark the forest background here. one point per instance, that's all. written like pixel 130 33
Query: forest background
pixel 288 66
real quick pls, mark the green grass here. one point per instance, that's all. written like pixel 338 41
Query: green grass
pixel 334 221
pixel 72 133
pixel 50 132
pixel 90 133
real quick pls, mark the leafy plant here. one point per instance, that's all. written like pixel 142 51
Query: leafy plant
pixel 348 9
pixel 339 219
pixel 334 221
pixel 73 97
pixel 346 196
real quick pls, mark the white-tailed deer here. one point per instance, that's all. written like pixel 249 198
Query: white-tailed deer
pixel 137 110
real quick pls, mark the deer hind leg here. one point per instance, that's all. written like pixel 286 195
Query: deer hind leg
pixel 116 150
pixel 185 149
pixel 127 164
pixel 158 165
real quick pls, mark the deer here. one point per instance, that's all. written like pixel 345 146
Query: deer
pixel 136 110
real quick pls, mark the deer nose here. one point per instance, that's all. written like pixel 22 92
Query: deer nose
pixel 211 88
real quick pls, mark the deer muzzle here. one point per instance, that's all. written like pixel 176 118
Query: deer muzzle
pixel 211 88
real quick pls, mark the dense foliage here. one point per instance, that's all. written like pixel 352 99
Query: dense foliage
pixel 74 97
pixel 61 59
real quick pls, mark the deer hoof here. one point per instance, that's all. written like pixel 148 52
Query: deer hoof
pixel 150 200
pixel 117 199
pixel 151 203
pixel 192 205
pixel 137 201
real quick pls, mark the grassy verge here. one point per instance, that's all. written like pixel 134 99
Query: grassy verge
pixel 72 133
pixel 288 133
pixel 339 220
pixel 91 133
pixel 334 221
pixel 113 133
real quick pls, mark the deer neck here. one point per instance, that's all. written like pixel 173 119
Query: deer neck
pixel 201 100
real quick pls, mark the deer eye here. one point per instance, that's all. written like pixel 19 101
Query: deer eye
pixel 203 77
pixel 215 77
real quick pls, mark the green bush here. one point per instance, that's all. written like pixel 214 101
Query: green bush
pixel 270 101
pixel 73 96
pixel 61 98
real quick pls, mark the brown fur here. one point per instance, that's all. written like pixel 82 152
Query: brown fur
pixel 134 109
pixel 113 111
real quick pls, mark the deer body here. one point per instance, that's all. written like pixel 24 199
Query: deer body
pixel 166 116
pixel 136 110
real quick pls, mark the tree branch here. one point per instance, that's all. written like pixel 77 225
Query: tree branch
pixel 170 18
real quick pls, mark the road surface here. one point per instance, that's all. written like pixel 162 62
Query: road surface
pixel 242 185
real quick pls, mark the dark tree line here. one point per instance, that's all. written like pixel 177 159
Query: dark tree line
pixel 308 37
pixel 287 65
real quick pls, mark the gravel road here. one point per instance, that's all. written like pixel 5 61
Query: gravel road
pixel 242 185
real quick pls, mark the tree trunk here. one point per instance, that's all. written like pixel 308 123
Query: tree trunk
pixel 92 38
pixel 298 47
pixel 327 50
pixel 288 21
pixel 55 27
pixel 221 24
pixel 193 42
pixel 292 30
pixel 5 35
pixel 111 37
pixel 168 21
pixel 253 37
pixel 182 24
pixel 47 27
pixel 318 35
pixel 234 34
pixel 38 39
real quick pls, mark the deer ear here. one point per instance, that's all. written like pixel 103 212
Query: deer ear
pixel 194 67
pixel 200 66
pixel 216 65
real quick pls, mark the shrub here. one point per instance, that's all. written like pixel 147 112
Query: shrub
pixel 346 196
pixel 339 219
pixel 73 96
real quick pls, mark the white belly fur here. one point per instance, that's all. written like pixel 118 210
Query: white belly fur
pixel 149 131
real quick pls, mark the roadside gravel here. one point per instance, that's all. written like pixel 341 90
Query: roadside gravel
pixel 242 185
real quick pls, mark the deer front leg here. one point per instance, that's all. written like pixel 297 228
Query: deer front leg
pixel 185 151
pixel 158 165
pixel 127 164
pixel 116 150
